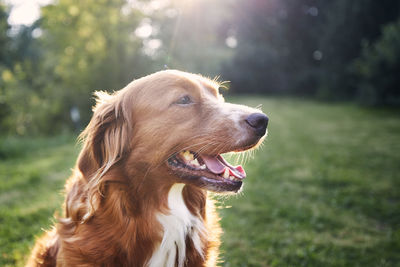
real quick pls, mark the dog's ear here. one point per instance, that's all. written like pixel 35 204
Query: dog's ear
pixel 105 141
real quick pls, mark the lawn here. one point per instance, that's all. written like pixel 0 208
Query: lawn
pixel 323 190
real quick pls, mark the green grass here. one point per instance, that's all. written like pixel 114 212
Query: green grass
pixel 324 190
pixel 32 174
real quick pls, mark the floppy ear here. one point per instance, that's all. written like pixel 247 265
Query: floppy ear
pixel 105 142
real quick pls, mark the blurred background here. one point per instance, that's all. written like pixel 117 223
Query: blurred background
pixel 323 191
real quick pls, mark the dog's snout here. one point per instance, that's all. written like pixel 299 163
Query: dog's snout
pixel 259 122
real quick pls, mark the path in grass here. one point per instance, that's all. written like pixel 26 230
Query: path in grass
pixel 324 190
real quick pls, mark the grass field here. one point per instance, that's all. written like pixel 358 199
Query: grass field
pixel 324 190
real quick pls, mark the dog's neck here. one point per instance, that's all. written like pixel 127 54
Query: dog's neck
pixel 180 226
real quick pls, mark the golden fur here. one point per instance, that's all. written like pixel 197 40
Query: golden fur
pixel 120 181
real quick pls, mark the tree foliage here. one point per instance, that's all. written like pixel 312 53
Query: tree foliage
pixel 5 62
pixel 77 47
pixel 378 60
pixel 349 24
pixel 327 49
pixel 304 47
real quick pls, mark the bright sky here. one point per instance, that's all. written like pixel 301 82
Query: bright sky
pixel 25 11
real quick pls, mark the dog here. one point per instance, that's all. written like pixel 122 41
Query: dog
pixel 138 195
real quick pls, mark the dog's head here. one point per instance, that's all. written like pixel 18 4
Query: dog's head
pixel 171 126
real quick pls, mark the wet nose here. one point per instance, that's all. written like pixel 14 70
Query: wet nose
pixel 259 122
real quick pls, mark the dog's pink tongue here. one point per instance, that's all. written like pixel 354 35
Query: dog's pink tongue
pixel 213 164
pixel 218 165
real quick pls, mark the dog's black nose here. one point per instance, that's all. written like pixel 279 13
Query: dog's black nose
pixel 259 122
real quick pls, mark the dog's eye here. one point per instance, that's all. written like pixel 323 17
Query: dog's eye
pixel 184 100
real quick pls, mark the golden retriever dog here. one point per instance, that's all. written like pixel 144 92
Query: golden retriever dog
pixel 138 195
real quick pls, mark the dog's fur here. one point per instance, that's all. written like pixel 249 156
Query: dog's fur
pixel 123 206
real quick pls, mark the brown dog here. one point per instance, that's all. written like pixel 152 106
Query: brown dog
pixel 138 194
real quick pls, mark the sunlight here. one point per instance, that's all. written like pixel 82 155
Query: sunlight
pixel 183 3
pixel 151 47
pixel 231 41
pixel 144 30
pixel 25 12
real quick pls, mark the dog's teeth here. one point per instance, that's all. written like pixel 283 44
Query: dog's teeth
pixel 226 173
pixel 232 177
pixel 203 167
pixel 195 162
pixel 187 156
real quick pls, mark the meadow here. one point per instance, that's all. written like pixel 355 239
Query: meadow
pixel 323 190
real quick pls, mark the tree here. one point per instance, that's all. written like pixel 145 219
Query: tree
pixel 303 47
pixel 347 25
pixel 5 62
pixel 5 59
pixel 276 42
pixel 192 35
pixel 76 47
pixel 378 69
pixel 89 46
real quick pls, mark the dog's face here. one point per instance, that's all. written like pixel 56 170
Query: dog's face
pixel 181 126
pixel 165 128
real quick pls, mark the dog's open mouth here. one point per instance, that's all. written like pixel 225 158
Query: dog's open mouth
pixel 209 172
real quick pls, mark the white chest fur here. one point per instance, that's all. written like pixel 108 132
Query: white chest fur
pixel 177 224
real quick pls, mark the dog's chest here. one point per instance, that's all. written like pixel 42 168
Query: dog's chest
pixel 177 225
